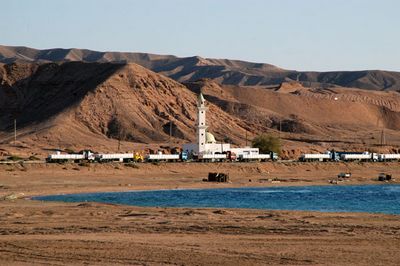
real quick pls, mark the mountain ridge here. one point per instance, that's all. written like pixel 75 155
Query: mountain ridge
pixel 223 71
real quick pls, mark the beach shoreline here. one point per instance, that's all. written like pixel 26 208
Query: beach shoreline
pixel 48 179
pixel 38 232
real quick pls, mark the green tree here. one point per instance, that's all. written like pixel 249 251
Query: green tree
pixel 267 143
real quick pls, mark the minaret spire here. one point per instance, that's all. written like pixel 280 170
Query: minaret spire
pixel 201 123
pixel 200 100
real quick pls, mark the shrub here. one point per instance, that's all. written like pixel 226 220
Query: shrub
pixel 15 158
pixel 267 143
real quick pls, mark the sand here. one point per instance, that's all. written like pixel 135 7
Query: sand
pixel 35 232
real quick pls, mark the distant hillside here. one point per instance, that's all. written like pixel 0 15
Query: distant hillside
pixel 87 105
pixel 223 71
pixel 79 105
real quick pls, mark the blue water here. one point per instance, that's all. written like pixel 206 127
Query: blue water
pixel 365 198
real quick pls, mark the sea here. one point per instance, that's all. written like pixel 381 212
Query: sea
pixel 335 198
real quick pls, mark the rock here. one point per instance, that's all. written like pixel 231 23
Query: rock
pixel 13 196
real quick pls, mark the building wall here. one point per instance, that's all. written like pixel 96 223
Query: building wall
pixel 247 150
pixel 212 148
pixel 209 148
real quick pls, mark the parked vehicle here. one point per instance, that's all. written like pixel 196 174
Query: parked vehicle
pixel 384 177
pixel 138 158
pixel 344 175
pixel 216 157
pixel 389 157
pixel 231 156
pixel 321 157
pixel 347 156
pixel 161 157
pixel 70 157
pixel 258 157
pixel 365 156
pixel 114 157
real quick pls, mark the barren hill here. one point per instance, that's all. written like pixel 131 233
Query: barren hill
pixel 79 105
pixel 90 105
pixel 73 98
pixel 312 118
pixel 223 71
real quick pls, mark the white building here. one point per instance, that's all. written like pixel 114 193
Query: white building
pixel 206 143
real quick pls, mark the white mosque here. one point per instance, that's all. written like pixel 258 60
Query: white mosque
pixel 206 143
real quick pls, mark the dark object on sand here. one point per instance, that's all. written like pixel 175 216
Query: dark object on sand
pixel 218 177
pixel 344 175
pixel 384 177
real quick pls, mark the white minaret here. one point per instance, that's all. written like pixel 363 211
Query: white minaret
pixel 201 123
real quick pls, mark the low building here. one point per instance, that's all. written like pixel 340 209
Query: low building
pixel 206 142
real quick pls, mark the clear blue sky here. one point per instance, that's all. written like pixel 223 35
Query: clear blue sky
pixel 293 34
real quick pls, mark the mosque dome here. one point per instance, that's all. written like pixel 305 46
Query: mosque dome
pixel 210 138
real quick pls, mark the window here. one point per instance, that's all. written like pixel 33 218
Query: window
pixel 202 112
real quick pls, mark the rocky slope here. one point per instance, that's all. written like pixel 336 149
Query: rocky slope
pixel 88 104
pixel 312 118
pixel 79 105
pixel 223 71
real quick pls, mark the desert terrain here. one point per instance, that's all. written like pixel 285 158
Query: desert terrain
pixel 35 232
pixel 71 106
pixel 76 99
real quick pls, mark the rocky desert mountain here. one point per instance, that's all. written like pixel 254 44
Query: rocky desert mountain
pixel 223 71
pixel 76 104
pixel 80 99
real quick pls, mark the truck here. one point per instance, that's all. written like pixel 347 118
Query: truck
pixel 231 156
pixel 58 157
pixel 114 157
pixel 365 156
pixel 184 156
pixel 138 158
pixel 70 157
pixel 258 157
pixel 212 157
pixel 160 157
pixel 389 157
pixel 321 157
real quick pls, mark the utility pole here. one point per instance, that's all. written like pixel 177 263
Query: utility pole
pixel 119 137
pixel 246 138
pixel 382 131
pixel 15 132
pixel 170 134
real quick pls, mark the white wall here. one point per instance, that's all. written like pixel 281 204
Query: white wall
pixel 217 147
pixel 247 150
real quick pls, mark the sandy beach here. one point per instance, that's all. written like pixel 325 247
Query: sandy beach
pixel 35 232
